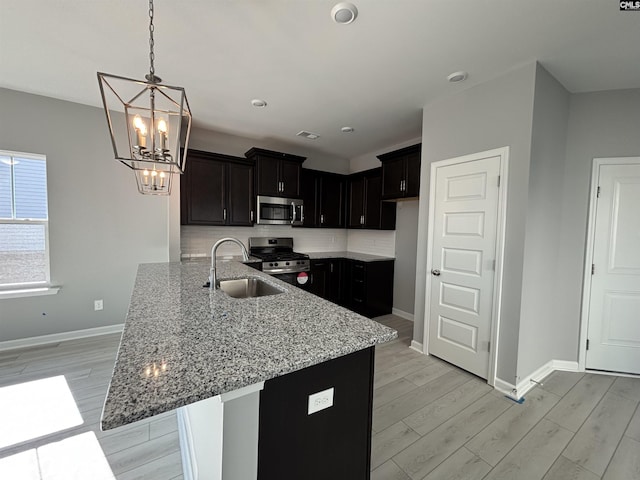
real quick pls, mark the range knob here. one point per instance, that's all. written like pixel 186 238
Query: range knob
pixel 275 264
pixel 271 264
pixel 287 263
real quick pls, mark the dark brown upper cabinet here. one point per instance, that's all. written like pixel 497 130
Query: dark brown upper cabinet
pixel 366 208
pixel 401 173
pixel 277 174
pixel 324 196
pixel 217 189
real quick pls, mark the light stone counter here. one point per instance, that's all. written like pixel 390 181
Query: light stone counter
pixel 183 343
pixel 363 257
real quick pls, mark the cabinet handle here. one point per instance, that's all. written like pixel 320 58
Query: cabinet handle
pixel 302 213
pixel 224 213
pixel 361 219
pixel 331 267
pixel 321 218
pixel 282 187
pixel 251 216
pixel 401 184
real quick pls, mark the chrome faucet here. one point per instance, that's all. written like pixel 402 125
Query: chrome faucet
pixel 213 282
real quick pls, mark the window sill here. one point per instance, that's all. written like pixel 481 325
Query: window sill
pixel 28 292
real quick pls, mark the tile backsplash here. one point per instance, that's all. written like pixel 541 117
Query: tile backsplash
pixel 196 240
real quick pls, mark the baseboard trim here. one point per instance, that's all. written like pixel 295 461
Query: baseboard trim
pixel 417 346
pixel 403 314
pixel 507 388
pixel 516 392
pixel 566 366
pixel 60 337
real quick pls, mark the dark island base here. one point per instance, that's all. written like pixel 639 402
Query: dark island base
pixel 334 443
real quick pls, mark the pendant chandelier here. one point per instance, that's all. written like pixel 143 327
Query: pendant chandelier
pixel 149 124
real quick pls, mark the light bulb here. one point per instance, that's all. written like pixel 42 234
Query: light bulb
pixel 154 173
pixel 141 131
pixel 145 177
pixel 162 126
pixel 162 175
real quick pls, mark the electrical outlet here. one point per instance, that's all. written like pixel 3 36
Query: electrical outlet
pixel 320 401
pixel 98 305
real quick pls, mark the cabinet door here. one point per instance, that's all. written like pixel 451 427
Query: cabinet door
pixel 332 193
pixel 320 271
pixel 290 178
pixel 308 187
pixel 373 201
pixel 206 192
pixel 267 179
pixel 356 202
pixel 393 176
pixel 413 175
pixel 240 209
pixel 334 283
pixel 331 444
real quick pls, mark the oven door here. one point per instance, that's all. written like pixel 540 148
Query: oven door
pixel 299 279
pixel 280 211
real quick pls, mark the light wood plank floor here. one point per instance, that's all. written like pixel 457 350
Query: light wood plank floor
pixel 431 421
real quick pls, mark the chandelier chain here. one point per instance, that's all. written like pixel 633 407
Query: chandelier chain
pixel 152 56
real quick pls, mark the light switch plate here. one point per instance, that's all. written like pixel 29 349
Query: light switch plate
pixel 320 401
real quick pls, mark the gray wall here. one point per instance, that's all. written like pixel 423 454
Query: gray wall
pixel 100 227
pixel 491 115
pixel 404 281
pixel 601 124
pixel 544 335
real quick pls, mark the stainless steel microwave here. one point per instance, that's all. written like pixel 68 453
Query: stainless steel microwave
pixel 280 211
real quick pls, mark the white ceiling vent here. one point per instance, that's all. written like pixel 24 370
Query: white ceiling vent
pixel 309 135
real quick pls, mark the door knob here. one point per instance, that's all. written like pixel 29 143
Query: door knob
pixel 435 272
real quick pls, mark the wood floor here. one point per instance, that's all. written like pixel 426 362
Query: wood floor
pixel 431 421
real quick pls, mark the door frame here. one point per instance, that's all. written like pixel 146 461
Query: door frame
pixel 588 257
pixel 503 153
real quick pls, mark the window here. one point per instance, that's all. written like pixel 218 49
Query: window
pixel 24 225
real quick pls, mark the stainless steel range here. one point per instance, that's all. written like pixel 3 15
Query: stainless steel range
pixel 279 259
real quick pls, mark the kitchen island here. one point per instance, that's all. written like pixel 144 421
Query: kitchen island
pixel 184 344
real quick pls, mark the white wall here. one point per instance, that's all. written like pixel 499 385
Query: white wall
pixel 227 144
pixel 100 227
pixel 543 334
pixel 495 114
pixel 198 239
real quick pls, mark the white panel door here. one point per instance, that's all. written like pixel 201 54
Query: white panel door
pixel 463 263
pixel 614 308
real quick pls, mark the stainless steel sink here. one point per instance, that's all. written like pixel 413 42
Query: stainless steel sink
pixel 248 288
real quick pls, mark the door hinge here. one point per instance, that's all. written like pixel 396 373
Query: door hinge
pixel 489 346
pixel 598 193
pixel 593 269
pixel 498 180
pixel 587 344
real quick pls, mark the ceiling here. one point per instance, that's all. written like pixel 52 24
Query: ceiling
pixel 374 75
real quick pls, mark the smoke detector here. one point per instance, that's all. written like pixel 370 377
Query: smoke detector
pixel 258 103
pixel 344 13
pixel 457 77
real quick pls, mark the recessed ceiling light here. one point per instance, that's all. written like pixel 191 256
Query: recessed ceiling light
pixel 309 135
pixel 457 77
pixel 256 102
pixel 346 129
pixel 344 13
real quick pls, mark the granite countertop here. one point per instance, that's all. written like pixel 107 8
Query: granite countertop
pixel 363 257
pixel 183 343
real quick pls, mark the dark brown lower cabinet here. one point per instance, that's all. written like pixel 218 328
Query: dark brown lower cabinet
pixel 334 443
pixel 326 279
pixel 368 287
